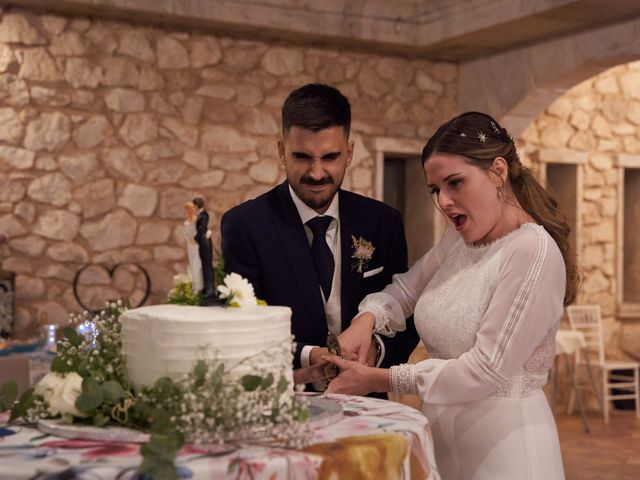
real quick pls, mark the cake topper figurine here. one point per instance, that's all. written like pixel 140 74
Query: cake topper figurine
pixel 205 249
pixel 195 264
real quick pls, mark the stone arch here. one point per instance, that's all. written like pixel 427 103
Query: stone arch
pixel 517 85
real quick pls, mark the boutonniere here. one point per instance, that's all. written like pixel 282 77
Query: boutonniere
pixel 362 252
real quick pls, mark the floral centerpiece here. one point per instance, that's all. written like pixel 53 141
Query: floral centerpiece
pixel 88 384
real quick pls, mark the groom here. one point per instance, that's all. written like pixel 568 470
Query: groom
pixel 205 249
pixel 312 246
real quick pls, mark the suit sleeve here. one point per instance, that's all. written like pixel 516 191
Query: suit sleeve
pixel 202 223
pixel 398 348
pixel 239 252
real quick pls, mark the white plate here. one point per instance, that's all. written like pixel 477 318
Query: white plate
pixel 323 411
pixel 89 432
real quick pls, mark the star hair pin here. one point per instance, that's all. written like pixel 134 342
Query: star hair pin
pixel 482 137
pixel 463 135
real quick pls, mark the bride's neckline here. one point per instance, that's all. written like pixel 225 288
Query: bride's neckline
pixel 482 246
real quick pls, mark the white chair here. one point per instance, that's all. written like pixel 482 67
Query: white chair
pixel 588 320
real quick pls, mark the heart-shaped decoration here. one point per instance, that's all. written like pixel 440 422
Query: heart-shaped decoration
pixel 96 284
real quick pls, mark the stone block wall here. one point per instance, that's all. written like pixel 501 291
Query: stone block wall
pixel 107 128
pixel 599 118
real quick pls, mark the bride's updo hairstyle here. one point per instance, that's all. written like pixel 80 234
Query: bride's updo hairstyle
pixel 480 139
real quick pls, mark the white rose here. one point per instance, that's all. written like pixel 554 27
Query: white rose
pixel 48 385
pixel 240 289
pixel 181 278
pixel 65 395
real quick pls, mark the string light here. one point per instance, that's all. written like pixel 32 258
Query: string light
pixel 50 346
pixel 89 330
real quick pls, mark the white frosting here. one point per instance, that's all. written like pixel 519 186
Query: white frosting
pixel 168 340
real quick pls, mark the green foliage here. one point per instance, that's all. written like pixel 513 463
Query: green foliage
pixel 251 382
pixel 218 268
pixel 183 294
pixel 21 408
pixel 8 395
pixel 91 397
pixel 159 454
pixel 100 420
pixel 113 392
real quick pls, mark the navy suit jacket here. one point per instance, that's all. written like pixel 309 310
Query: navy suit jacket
pixel 264 241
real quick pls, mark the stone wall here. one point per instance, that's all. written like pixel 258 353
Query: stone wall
pixel 597 120
pixel 107 128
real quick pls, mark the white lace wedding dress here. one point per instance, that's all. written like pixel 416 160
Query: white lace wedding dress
pixel 488 317
pixel 195 264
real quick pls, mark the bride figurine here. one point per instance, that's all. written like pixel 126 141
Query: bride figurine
pixel 195 264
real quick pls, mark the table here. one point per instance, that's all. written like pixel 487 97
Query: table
pixel 376 439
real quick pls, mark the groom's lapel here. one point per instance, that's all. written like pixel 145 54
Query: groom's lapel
pixel 351 225
pixel 300 262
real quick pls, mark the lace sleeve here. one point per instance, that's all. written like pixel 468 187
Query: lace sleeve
pixel 393 305
pixel 386 311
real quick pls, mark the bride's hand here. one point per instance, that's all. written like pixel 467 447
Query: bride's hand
pixel 357 338
pixel 353 379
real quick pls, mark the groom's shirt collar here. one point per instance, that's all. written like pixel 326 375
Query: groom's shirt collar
pixel 307 213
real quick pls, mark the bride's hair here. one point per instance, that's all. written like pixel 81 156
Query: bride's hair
pixel 190 210
pixel 480 139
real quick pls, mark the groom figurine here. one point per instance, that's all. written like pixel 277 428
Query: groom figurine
pixel 312 246
pixel 205 249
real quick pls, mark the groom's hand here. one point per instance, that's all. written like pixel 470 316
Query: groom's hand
pixel 357 338
pixel 316 354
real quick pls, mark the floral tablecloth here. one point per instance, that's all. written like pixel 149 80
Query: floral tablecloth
pixel 376 439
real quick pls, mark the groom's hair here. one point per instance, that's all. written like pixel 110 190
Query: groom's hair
pixel 316 107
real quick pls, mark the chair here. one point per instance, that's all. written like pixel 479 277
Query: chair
pixel 588 320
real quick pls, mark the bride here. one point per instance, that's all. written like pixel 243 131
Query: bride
pixel 195 264
pixel 487 301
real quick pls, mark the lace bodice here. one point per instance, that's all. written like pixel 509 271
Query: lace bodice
pixel 189 230
pixel 487 316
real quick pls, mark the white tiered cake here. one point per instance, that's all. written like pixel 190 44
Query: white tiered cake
pixel 168 340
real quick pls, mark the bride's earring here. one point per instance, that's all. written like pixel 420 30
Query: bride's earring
pixel 500 193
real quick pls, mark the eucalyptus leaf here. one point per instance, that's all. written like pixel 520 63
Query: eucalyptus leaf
pixel 73 336
pixel 160 420
pixel 91 397
pixel 282 385
pixel 251 382
pixel 113 392
pixel 303 415
pixel 200 373
pixel 100 420
pixel 8 394
pixel 216 378
pixel 158 456
pixel 83 368
pixel 19 410
pixel 58 365
pixel 163 389
pixel 267 381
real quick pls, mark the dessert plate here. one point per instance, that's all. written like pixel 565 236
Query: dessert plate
pixel 322 413
pixel 89 432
